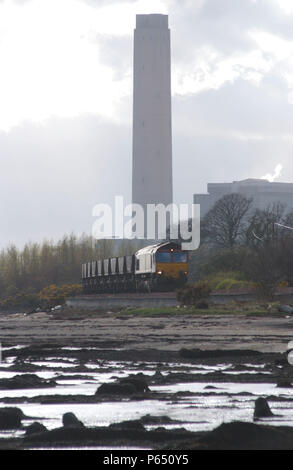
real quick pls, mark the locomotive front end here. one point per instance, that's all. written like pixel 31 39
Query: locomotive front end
pixel 171 261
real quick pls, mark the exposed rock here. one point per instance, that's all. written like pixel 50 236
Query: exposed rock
pixel 204 354
pixel 285 309
pixel 70 420
pixel 262 409
pixel 132 424
pixel 35 428
pixel 158 375
pixel 116 389
pixel 20 366
pixel 138 382
pixel 242 436
pixel 156 378
pixel 235 435
pixel 284 383
pixel 10 418
pixel 25 381
pixel 125 386
pixel 149 419
pixel 120 433
pixel 282 361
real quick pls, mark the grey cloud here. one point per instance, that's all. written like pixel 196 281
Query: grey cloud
pixel 101 3
pixel 237 132
pixel 21 2
pixel 52 175
pixel 224 25
pixel 241 108
pixel 215 159
pixel 116 52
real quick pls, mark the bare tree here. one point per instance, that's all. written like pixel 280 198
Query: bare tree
pixel 225 224
pixel 266 263
pixel 263 266
pixel 262 224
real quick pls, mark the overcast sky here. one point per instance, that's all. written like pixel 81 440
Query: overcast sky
pixel 66 103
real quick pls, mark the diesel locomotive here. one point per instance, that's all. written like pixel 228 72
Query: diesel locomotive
pixel 159 267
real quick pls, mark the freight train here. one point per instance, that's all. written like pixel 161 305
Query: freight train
pixel 160 267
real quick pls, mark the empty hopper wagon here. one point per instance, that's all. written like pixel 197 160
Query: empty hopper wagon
pixel 154 268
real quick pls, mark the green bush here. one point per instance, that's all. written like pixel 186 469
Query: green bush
pixel 56 295
pixel 20 300
pixel 229 284
pixel 49 297
pixel 222 276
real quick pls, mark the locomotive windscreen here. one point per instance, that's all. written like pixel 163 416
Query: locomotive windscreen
pixel 179 257
pixel 164 257
pixel 171 257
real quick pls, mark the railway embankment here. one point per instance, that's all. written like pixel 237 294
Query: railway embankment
pixel 168 299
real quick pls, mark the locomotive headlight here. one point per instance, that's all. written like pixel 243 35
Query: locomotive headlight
pixel 160 272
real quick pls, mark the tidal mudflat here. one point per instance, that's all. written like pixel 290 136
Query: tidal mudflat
pixel 112 381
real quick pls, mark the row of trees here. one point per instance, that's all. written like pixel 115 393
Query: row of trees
pixel 38 265
pixel 251 242
pixel 234 238
pixel 232 222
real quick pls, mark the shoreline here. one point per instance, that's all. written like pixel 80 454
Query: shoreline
pixel 169 332
pixel 181 359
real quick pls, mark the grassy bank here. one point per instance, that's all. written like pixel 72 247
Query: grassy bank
pixel 232 308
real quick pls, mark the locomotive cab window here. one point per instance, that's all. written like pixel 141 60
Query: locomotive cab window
pixel 179 257
pixel 164 257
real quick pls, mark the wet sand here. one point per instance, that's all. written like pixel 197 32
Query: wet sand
pixel 208 365
pixel 165 333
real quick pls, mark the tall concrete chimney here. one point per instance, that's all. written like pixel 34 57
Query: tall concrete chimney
pixel 152 126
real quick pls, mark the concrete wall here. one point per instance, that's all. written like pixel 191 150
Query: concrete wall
pixel 152 127
pixel 104 302
pixel 119 302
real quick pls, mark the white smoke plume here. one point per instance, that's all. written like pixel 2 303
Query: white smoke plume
pixel 277 173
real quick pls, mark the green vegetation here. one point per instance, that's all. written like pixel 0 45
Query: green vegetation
pixel 228 280
pixel 240 248
pixel 244 248
pixel 45 299
pixel 232 308
pixel 44 274
pixel 36 266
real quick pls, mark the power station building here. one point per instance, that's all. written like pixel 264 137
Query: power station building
pixel 261 191
pixel 152 127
